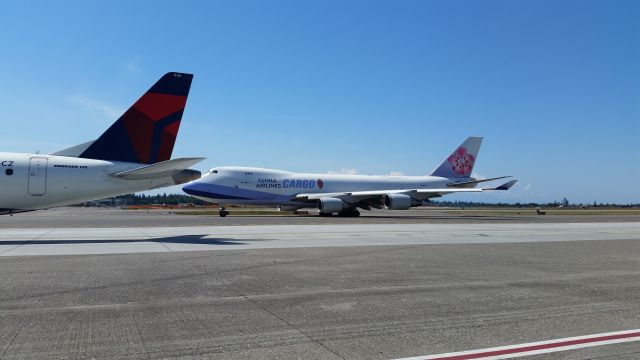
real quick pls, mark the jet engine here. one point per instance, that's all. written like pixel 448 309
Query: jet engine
pixel 399 202
pixel 186 175
pixel 330 205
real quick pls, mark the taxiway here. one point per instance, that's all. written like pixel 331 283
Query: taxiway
pixel 78 217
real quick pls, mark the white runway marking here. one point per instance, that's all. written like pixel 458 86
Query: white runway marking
pixel 21 242
pixel 541 347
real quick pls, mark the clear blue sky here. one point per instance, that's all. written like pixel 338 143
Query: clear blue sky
pixel 373 86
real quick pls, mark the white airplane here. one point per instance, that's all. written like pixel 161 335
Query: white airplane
pixel 132 155
pixel 341 194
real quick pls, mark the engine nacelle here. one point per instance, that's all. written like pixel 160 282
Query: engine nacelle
pixel 330 205
pixel 399 202
pixel 186 175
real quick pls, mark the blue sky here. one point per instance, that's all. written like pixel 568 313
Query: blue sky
pixel 373 87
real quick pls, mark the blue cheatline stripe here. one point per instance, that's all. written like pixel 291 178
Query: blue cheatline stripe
pixel 229 192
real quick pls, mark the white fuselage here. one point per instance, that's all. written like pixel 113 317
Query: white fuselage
pixel 34 181
pixel 256 186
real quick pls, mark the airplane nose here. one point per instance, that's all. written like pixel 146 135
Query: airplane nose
pixel 188 188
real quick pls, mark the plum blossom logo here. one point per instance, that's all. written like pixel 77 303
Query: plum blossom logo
pixel 461 161
pixel 320 184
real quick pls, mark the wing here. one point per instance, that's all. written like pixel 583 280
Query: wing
pixel 357 195
pixel 367 199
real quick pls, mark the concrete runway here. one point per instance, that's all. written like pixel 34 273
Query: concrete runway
pixel 349 291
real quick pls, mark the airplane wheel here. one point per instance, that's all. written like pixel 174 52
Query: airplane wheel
pixel 326 214
pixel 223 212
pixel 349 213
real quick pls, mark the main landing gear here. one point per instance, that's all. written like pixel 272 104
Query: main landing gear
pixel 344 213
pixel 351 212
pixel 223 212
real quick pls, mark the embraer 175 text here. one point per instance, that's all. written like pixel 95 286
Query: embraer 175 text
pixel 132 155
pixel 342 194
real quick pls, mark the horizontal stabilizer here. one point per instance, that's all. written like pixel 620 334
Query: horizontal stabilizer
pixel 158 170
pixel 74 151
pixel 446 191
pixel 474 182
pixel 505 186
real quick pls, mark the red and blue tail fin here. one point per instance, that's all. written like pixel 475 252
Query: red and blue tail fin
pixel 146 132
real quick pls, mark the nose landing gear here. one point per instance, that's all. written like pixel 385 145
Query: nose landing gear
pixel 223 212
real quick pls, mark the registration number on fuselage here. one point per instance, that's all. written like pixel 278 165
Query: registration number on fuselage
pixel 7 163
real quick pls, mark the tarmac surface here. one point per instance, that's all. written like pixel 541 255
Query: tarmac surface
pixel 73 217
pixel 82 241
pixel 346 291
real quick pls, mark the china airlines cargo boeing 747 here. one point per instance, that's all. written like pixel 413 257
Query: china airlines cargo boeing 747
pixel 341 194
pixel 132 155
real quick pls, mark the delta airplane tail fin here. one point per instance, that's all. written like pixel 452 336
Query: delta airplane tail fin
pixel 460 163
pixel 146 132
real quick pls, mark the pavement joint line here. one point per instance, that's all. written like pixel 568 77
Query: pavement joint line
pixel 26 241
pixel 140 335
pixel 537 348
pixel 314 259
pixel 152 240
pixel 268 297
pixel 165 246
pixel 254 303
pixel 13 339
pixel 263 308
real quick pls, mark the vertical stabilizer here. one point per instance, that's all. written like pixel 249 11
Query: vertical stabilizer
pixel 460 163
pixel 146 132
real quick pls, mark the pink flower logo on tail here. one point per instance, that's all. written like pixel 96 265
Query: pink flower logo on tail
pixel 461 161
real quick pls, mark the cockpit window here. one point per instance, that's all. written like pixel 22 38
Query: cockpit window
pixel 214 171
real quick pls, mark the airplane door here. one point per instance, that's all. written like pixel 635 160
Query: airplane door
pixel 38 176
